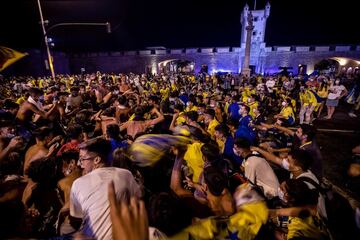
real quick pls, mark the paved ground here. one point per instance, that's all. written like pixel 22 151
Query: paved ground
pixel 336 147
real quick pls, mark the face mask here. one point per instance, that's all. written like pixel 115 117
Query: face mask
pixel 188 104
pixel 337 82
pixel 283 104
pixel 68 172
pixel 10 135
pixel 285 164
pixel 249 100
pixel 212 105
pixel 116 92
pixel 281 195
pixel 235 152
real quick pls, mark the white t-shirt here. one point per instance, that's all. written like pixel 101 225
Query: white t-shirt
pixel 321 201
pixel 335 91
pixel 89 199
pixel 259 172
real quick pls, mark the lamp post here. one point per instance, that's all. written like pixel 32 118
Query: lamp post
pixel 50 60
pixel 46 39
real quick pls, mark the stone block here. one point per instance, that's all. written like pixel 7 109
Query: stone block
pixel 160 51
pixel 302 49
pixel 176 51
pixel 145 52
pixel 283 49
pixel 223 50
pixel 207 50
pixel 342 48
pixel 191 50
pixel 322 48
pixel 130 53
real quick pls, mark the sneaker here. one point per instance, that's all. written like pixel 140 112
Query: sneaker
pixel 353 115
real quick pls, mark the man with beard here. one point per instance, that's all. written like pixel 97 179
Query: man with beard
pixel 304 138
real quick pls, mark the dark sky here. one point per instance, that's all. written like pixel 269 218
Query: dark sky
pixel 175 23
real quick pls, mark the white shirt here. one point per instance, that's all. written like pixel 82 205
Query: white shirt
pixel 335 92
pixel 89 199
pixel 321 201
pixel 259 172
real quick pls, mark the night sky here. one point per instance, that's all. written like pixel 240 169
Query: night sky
pixel 138 24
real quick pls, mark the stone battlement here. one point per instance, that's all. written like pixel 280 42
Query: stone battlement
pixel 221 50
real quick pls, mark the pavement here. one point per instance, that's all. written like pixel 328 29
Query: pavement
pixel 336 138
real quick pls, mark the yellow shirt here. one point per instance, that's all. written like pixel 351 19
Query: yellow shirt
pixel 211 128
pixel 310 227
pixel 194 158
pixel 287 112
pixel 164 93
pixel 180 119
pixel 323 93
pixel 226 108
pixel 20 100
pixel 252 106
pixel 194 108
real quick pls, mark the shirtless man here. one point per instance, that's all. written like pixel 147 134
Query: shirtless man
pixel 71 172
pixel 123 85
pixel 40 149
pixel 139 124
pixel 31 106
pixel 59 111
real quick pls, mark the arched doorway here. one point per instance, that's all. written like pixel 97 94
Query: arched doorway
pixel 176 66
pixel 338 65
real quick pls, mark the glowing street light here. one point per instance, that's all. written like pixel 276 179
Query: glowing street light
pixel 49 41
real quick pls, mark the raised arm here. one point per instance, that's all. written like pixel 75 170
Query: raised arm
pixel 175 183
pixel 285 130
pixel 172 125
pixel 158 119
pixel 268 156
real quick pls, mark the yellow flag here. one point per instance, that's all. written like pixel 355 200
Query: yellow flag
pixel 8 56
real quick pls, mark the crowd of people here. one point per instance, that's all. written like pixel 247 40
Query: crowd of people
pixel 169 156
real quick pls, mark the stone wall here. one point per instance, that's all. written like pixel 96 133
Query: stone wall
pixel 226 59
pixel 265 60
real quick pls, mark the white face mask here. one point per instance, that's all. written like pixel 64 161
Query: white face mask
pixel 281 195
pixel 235 152
pixel 285 164
pixel 283 104
pixel 68 172
pixel 10 135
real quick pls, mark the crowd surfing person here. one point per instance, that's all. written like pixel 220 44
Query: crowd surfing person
pixel 171 156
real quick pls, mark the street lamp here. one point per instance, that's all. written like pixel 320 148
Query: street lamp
pixel 49 40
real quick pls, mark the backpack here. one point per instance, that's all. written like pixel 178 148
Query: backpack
pixel 340 215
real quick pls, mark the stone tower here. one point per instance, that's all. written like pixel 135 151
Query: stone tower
pixel 255 58
pixel 259 21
